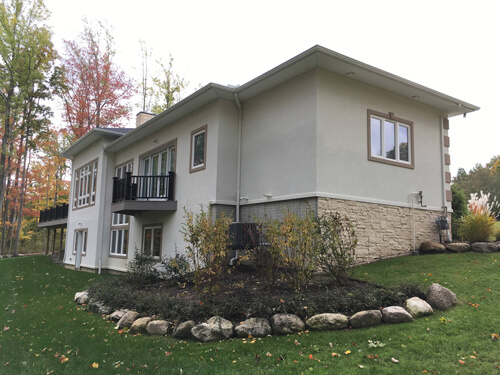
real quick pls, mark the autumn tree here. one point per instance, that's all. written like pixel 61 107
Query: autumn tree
pixel 480 178
pixel 98 91
pixel 26 68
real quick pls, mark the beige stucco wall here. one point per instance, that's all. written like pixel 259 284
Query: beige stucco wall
pixel 343 168
pixel 384 230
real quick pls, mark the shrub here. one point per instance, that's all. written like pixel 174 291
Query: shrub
pixel 337 245
pixel 459 206
pixel 207 241
pixel 478 223
pixel 293 244
pixel 176 267
pixel 142 271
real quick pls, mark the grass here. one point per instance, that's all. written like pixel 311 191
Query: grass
pixel 40 323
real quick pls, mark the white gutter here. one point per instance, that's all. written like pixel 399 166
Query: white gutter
pixel 238 177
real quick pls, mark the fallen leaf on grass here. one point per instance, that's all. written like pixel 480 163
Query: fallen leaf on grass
pixel 95 365
pixel 347 352
pixel 335 355
pixel 394 360
pixel 461 362
pixel 5 328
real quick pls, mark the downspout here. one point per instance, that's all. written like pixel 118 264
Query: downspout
pixel 238 176
pixel 234 260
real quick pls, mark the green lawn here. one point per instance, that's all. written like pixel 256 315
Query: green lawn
pixel 43 332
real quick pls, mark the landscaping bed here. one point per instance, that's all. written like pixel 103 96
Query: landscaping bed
pixel 244 293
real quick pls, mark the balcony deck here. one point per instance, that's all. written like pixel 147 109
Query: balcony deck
pixel 135 194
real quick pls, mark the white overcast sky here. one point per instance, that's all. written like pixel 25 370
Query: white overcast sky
pixel 450 46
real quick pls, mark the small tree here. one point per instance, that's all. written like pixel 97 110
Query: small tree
pixel 293 244
pixel 207 247
pixel 337 245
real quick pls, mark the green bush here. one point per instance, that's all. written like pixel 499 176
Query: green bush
pixel 476 227
pixel 293 245
pixel 207 248
pixel 337 245
pixel 142 270
pixel 176 267
pixel 459 206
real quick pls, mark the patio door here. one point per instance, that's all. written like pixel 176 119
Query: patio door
pixel 158 164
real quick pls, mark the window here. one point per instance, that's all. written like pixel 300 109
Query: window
pixel 159 163
pixel 80 241
pixel 119 224
pixel 151 242
pixel 198 149
pixel 390 139
pixel 85 185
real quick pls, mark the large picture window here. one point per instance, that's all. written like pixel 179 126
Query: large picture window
pixel 120 222
pixel 85 185
pixel 390 139
pixel 198 149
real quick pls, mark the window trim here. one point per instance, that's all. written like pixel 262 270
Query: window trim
pixel 157 150
pixel 152 226
pixel 91 184
pixel 398 121
pixel 84 249
pixel 194 133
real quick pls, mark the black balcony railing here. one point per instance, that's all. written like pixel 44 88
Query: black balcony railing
pixel 132 188
pixel 54 213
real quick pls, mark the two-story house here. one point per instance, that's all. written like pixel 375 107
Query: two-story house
pixel 320 131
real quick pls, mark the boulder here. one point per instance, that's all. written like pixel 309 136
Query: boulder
pixel 417 307
pixel 99 308
pixel 128 319
pixel 458 247
pixel 117 315
pixel 441 298
pixel 484 247
pixel 366 318
pixel 284 324
pixel 256 327
pixel 140 325
pixel 79 296
pixel 427 247
pixel 183 330
pixel 396 314
pixel 216 328
pixel 328 322
pixel 157 327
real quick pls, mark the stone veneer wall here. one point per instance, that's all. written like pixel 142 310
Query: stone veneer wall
pixel 384 230
pixel 275 210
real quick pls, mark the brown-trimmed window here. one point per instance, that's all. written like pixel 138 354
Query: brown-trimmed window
pixel 85 185
pixel 197 160
pixel 151 240
pixel 390 139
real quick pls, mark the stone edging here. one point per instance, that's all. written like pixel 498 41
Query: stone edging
pixel 218 328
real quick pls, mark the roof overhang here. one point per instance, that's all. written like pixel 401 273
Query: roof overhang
pixel 315 57
pixel 88 139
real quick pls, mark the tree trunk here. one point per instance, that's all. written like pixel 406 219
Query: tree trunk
pixel 21 200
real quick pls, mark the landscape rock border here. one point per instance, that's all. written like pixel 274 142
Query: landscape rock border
pixel 218 328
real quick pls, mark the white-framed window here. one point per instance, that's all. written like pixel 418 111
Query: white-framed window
pixel 120 222
pixel 390 139
pixel 158 163
pixel 198 149
pixel 151 240
pixel 80 240
pixel 85 185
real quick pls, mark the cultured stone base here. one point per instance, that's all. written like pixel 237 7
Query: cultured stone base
pixel 384 230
